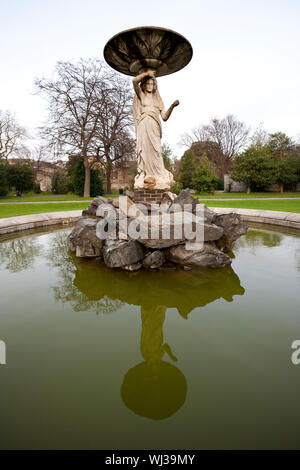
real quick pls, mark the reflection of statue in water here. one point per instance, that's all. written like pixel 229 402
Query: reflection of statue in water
pixel 147 109
pixel 155 388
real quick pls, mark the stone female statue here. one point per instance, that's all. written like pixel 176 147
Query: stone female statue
pixel 147 109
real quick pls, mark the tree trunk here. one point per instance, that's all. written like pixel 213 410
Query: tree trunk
pixel 87 180
pixel 108 177
pixel 281 187
pixel 248 190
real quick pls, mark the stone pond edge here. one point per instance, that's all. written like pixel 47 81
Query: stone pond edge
pixel 24 222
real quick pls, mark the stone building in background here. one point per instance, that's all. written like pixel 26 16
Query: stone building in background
pixel 43 170
pixel 123 175
pixel 219 165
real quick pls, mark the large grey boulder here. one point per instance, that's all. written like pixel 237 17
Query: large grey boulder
pixel 83 239
pixel 91 211
pixel 207 257
pixel 233 229
pixel 119 253
pixel 154 260
pixel 126 233
pixel 212 232
pixel 167 201
pixel 180 224
pixel 155 227
pixel 129 194
pixel 186 197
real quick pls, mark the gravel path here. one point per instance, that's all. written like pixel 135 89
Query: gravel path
pixel 249 198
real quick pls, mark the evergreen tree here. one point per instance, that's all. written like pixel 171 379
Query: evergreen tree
pixel 255 167
pixel 77 171
pixel 187 169
pixel 21 177
pixel 204 180
pixel 167 156
pixel 3 178
pixel 286 163
pixel 60 183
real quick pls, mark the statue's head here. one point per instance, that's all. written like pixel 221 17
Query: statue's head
pixel 149 84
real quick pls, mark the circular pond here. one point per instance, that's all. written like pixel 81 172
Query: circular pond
pixel 102 359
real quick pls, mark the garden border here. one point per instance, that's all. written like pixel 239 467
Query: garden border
pixel 283 219
pixel 24 222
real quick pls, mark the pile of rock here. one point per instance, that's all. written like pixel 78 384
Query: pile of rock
pixel 121 250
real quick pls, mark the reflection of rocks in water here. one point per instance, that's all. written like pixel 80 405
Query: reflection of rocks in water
pixel 66 291
pixel 18 255
pixel 259 238
pixel 88 284
pixel 184 290
pixel 155 388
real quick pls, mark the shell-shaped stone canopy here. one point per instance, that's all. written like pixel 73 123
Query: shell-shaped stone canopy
pixel 148 47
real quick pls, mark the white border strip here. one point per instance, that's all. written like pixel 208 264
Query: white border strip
pixel 23 222
pixel 285 219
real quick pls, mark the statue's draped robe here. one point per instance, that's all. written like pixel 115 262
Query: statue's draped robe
pixel 146 111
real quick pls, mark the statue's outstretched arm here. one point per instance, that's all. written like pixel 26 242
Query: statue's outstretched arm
pixel 166 114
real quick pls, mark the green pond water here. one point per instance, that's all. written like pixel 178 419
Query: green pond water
pixel 102 359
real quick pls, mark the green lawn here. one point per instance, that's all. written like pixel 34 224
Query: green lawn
pixel 49 198
pixel 12 210
pixel 39 198
pixel 285 206
pixel 245 195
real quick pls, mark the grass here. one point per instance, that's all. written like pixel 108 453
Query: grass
pixel 245 195
pixel 12 210
pixel 39 198
pixel 73 197
pixel 276 205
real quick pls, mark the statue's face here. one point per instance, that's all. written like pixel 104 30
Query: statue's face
pixel 149 85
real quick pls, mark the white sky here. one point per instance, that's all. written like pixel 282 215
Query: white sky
pixel 246 58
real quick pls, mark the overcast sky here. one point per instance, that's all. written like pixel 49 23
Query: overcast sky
pixel 246 57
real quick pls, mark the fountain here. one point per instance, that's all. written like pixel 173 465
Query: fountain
pixel 147 53
pixel 152 227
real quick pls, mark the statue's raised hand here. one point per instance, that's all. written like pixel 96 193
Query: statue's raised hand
pixel 151 73
pixel 176 103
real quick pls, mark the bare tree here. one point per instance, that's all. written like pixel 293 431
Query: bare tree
pixel 40 153
pixel 197 134
pixel 230 134
pixel 88 110
pixel 114 139
pixel 259 137
pixel 12 136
